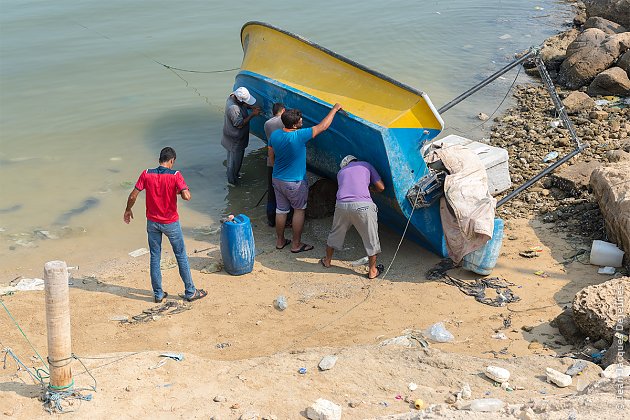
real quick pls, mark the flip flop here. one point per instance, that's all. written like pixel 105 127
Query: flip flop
pixel 321 261
pixel 164 296
pixel 379 269
pixel 304 247
pixel 199 294
pixel 286 242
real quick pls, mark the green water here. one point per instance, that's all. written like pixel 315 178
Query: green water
pixel 84 107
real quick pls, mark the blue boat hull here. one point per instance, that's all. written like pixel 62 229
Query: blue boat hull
pixel 394 152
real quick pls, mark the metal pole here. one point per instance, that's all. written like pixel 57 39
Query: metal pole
pixel 58 324
pixel 485 82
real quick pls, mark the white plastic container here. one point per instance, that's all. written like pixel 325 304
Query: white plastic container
pixel 494 159
pixel 606 254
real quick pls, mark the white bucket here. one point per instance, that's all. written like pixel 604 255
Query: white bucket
pixel 606 254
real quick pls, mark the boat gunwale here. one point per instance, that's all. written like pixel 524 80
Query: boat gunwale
pixel 334 55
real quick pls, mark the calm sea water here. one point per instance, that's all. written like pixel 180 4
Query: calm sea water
pixel 84 107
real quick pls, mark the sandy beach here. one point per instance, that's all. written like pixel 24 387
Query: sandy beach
pixel 237 345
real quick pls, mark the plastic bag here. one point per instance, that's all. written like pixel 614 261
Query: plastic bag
pixel 437 332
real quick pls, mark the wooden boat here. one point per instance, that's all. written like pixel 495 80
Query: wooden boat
pixel 385 122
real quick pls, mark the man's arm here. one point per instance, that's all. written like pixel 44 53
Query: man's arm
pixel 131 200
pixel 185 194
pixel 255 112
pixel 272 155
pixel 379 186
pixel 325 123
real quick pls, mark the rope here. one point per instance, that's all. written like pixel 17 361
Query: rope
pixel 19 328
pixel 495 110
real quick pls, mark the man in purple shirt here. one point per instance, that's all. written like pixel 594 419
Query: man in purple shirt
pixel 355 207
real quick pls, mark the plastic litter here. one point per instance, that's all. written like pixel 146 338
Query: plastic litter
pixel 499 336
pixel 26 285
pixel 606 254
pixel 437 332
pixel 606 270
pixel 302 370
pixel 555 124
pixel 487 405
pixel 550 156
pixel 418 404
pixel 138 252
pixel 280 303
pixel 175 356
pixel 412 386
pixel 360 261
pixel 576 368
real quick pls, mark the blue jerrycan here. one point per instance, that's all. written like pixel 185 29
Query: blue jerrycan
pixel 483 260
pixel 237 245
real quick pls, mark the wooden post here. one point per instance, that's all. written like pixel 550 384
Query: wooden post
pixel 58 324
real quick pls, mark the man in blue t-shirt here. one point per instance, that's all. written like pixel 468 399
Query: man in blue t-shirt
pixel 287 154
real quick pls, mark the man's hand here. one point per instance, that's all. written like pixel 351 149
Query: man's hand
pixel 256 110
pixel 337 107
pixel 128 216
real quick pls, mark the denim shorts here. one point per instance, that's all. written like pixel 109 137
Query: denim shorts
pixel 290 194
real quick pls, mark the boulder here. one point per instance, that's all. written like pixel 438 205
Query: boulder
pixel 591 53
pixel 624 62
pixel 578 101
pixel 596 310
pixel 613 82
pixel 574 179
pixel 615 10
pixel 566 325
pixel 323 410
pixel 554 49
pixel 610 188
pixel 604 25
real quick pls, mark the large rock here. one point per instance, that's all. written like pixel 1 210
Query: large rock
pixel 554 49
pixel 591 53
pixel 578 101
pixel 323 410
pixel 596 309
pixel 574 179
pixel 604 25
pixel 616 10
pixel 610 188
pixel 613 81
pixel 624 62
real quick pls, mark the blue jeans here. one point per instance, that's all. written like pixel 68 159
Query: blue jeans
pixel 234 163
pixel 173 232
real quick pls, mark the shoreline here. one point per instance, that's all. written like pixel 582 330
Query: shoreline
pixel 236 344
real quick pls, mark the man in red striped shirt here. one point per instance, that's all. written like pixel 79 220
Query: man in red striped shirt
pixel 163 185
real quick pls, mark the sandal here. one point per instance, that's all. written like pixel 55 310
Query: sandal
pixel 303 248
pixel 164 296
pixel 321 261
pixel 379 270
pixel 286 242
pixel 199 294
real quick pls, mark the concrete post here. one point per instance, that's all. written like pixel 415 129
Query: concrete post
pixel 58 323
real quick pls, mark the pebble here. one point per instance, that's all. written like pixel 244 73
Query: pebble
pixel 497 374
pixel 327 362
pixel 219 398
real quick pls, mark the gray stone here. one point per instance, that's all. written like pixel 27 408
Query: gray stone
pixel 554 49
pixel 595 308
pixel 613 81
pixel 624 62
pixel 220 398
pixel 567 327
pixel 328 362
pixel 574 179
pixel 578 101
pixel 604 25
pixel 610 188
pixel 591 53
pixel 323 410
pixel 249 415
pixel 615 10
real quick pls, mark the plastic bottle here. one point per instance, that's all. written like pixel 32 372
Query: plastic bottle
pixel 486 404
pixel 280 303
